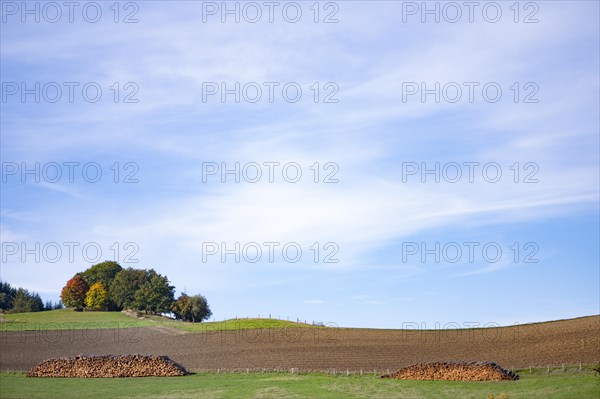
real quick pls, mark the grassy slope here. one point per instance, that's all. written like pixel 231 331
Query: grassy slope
pixel 227 325
pixel 206 385
pixel 69 319
pixel 66 319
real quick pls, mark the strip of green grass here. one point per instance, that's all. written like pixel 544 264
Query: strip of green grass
pixel 228 325
pixel 271 385
pixel 64 319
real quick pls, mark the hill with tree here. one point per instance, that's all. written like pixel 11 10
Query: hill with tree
pixel 108 286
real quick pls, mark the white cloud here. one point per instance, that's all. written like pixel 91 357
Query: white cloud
pixel 368 134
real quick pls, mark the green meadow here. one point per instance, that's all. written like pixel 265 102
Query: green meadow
pixel 564 385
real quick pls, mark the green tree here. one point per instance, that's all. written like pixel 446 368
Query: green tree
pixel 73 294
pixel 125 284
pixel 21 301
pixel 96 297
pixel 191 308
pixel 199 308
pixel 104 272
pixel 24 301
pixel 155 295
pixel 7 295
pixel 37 305
pixel 48 305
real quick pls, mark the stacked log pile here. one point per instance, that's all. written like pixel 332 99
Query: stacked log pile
pixel 460 371
pixel 107 366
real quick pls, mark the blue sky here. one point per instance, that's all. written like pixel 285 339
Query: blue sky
pixel 375 213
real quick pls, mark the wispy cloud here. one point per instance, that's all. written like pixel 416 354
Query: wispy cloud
pixel 170 213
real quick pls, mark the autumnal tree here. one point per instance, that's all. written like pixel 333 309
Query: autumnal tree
pixel 104 272
pixel 96 297
pixel 73 294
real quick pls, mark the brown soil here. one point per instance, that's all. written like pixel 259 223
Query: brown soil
pixel 462 371
pixel 538 345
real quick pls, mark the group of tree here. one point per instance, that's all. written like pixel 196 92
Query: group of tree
pixel 108 286
pixel 89 289
pixel 20 300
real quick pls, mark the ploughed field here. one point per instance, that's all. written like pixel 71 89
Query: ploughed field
pixel 321 348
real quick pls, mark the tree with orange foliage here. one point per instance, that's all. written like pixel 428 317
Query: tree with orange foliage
pixel 73 294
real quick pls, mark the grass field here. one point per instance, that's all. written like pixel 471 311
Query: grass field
pixel 64 319
pixel 580 385
pixel 229 325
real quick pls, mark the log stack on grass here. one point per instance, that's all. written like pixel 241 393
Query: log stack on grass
pixel 109 366
pixel 459 371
